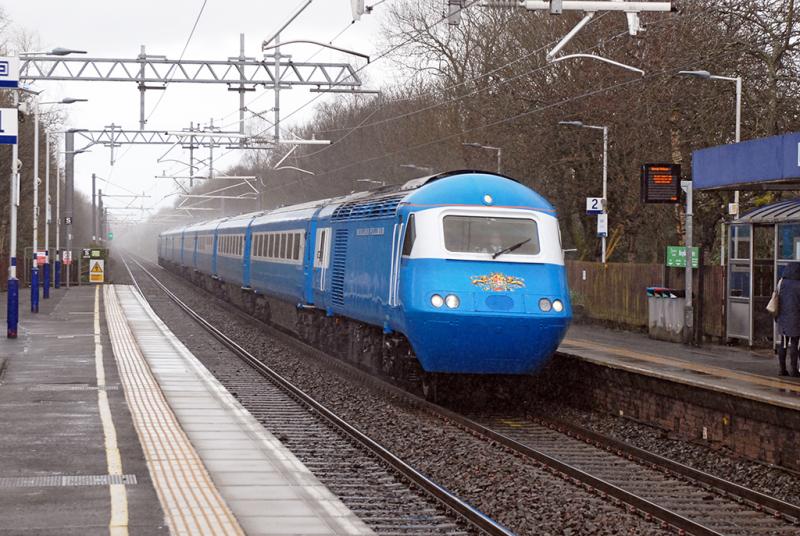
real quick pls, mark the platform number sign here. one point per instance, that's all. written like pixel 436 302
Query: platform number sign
pixel 9 72
pixel 661 183
pixel 595 205
pixel 8 126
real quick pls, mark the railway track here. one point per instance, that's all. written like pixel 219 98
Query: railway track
pixel 691 500
pixel 349 463
pixel 674 495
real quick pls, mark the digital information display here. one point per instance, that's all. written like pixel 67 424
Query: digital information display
pixel 661 183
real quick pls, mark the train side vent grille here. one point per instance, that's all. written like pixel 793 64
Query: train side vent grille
pixel 369 209
pixel 337 272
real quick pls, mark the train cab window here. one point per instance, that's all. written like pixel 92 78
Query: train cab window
pixel 481 234
pixel 411 236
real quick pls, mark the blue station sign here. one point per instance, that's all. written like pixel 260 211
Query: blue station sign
pixel 9 72
pixel 8 126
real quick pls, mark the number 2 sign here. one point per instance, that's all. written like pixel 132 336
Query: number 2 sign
pixel 595 205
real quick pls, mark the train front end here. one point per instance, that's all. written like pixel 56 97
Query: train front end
pixel 482 277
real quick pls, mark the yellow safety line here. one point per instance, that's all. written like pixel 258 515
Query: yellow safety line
pixel 118 525
pixel 707 369
pixel 190 500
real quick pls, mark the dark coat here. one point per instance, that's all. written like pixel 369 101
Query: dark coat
pixel 789 301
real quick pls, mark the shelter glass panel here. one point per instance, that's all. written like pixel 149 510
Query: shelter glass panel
pixel 740 281
pixel 789 241
pixel 740 241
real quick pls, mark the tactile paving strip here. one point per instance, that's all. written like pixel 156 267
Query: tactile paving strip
pixel 189 498
pixel 66 480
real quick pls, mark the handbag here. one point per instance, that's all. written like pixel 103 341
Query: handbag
pixel 774 302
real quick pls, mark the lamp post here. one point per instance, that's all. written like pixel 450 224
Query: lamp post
pixel 605 169
pixel 48 209
pixel 499 151
pixel 58 51
pixel 705 75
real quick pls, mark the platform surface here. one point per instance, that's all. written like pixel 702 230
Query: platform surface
pixel 268 490
pixel 111 426
pixel 731 370
pixel 70 460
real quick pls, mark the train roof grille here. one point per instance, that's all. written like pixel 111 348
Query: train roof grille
pixel 368 209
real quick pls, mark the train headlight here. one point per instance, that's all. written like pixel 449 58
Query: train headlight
pixel 437 301
pixel 452 301
pixel 545 305
pixel 558 306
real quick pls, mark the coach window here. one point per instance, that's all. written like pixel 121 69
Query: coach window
pixel 297 246
pixel 411 236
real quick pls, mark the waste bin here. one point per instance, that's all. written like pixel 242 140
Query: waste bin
pixel 665 313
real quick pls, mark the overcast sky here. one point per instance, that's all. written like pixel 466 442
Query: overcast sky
pixel 115 28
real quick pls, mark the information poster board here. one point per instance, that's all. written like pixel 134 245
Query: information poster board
pixel 676 257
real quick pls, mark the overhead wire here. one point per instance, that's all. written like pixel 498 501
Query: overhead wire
pixel 163 93
pixel 647 77
pixel 373 61
pixel 363 124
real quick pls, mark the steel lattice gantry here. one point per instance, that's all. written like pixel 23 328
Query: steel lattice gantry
pixel 163 71
pixel 114 137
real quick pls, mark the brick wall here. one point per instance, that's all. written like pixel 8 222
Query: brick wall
pixel 751 429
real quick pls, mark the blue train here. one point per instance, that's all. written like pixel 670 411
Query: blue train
pixel 459 273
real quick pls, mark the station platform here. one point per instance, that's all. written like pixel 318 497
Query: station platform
pixel 730 370
pixel 111 426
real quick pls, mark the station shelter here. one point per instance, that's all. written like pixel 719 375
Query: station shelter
pixel 762 241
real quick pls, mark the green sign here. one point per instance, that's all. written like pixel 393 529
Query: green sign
pixel 676 257
pixel 110 235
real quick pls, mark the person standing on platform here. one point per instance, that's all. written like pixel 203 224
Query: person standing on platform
pixel 789 319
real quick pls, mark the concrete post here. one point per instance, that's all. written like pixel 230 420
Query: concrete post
pixel 35 241
pixel 94 208
pixel 69 192
pixel 688 330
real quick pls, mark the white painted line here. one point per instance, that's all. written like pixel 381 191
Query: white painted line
pixel 118 525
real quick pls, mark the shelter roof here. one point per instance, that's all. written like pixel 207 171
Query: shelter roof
pixel 763 164
pixel 780 212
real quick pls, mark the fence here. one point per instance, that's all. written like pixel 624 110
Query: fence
pixel 615 292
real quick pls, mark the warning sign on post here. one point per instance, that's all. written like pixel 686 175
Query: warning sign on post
pixel 96 271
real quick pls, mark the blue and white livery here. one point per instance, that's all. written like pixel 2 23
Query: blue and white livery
pixel 467 267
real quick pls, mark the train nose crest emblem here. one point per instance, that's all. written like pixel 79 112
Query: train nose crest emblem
pixel 497 282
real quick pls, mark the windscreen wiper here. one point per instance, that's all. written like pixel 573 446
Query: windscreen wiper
pixel 509 249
